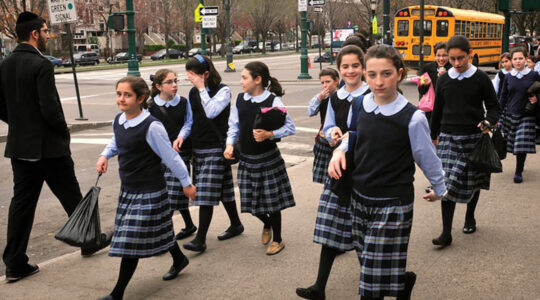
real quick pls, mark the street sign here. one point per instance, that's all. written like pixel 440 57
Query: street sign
pixel 302 5
pixel 209 22
pixel 317 2
pixel 374 24
pixel 198 17
pixel 318 9
pixel 209 11
pixel 62 11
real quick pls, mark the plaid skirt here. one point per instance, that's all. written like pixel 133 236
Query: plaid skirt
pixel 176 194
pixel 143 225
pixel 333 226
pixel 323 154
pixel 212 176
pixel 461 179
pixel 264 183
pixel 381 229
pixel 520 133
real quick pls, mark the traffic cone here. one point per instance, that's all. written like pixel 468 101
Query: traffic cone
pixel 309 62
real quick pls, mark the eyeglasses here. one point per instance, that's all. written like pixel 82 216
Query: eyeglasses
pixel 170 81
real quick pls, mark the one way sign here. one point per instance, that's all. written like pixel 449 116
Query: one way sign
pixel 317 2
pixel 209 11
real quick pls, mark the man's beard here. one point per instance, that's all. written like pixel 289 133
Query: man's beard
pixel 41 43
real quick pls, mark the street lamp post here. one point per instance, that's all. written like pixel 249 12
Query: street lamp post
pixel 386 22
pixel 373 5
pixel 133 63
pixel 227 4
pixel 203 36
pixel 304 74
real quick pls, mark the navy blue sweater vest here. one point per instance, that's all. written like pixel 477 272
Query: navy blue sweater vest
pixel 384 165
pixel 175 120
pixel 323 107
pixel 202 135
pixel 516 92
pixel 341 111
pixel 139 166
pixel 246 116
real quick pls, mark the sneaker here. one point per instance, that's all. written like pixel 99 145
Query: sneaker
pixel 104 242
pixel 13 275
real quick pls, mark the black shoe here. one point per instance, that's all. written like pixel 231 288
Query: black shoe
pixel 442 240
pixel 410 280
pixel 518 178
pixel 310 293
pixel 185 232
pixel 108 297
pixel 13 275
pixel 231 232
pixel 469 227
pixel 173 271
pixel 195 245
pixel 105 241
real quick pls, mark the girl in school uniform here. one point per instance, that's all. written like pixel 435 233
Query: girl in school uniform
pixel 264 185
pixel 210 103
pixel 143 225
pixel 333 226
pixel 506 64
pixel 174 112
pixel 456 126
pixel 391 136
pixel 518 127
pixel 318 104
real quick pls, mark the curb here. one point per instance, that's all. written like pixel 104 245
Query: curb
pixel 75 127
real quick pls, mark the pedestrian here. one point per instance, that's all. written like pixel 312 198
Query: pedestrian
pixel 210 102
pixel 37 141
pixel 518 126
pixel 391 136
pixel 143 224
pixel 358 40
pixel 506 64
pixel 175 114
pixel 317 105
pixel 435 70
pixel 333 225
pixel 264 185
pixel 464 100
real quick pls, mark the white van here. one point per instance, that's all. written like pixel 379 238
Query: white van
pixel 78 48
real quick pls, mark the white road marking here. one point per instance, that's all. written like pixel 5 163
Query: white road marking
pixel 87 96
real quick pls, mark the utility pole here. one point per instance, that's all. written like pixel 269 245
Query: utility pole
pixel 386 22
pixel 227 4
pixel 203 35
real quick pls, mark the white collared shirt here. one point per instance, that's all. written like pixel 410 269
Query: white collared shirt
pixel 496 81
pixel 520 74
pixel 213 106
pixel 459 76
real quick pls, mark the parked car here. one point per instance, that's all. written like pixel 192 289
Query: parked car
pixel 515 41
pixel 56 62
pixel 89 58
pixel 173 53
pixel 194 51
pixel 242 48
pixel 325 57
pixel 122 57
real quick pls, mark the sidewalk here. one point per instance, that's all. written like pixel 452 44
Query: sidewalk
pixel 499 261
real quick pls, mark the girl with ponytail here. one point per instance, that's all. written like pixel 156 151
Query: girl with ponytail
pixel 261 164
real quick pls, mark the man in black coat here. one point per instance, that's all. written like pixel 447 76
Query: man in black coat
pixel 37 142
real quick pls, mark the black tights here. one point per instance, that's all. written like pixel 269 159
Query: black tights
pixel 448 208
pixel 186 215
pixel 325 266
pixel 272 221
pixel 520 162
pixel 129 265
pixel 205 216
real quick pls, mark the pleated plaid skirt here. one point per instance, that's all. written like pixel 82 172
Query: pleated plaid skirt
pixel 323 154
pixel 461 179
pixel 212 176
pixel 520 133
pixel 143 225
pixel 381 231
pixel 333 226
pixel 264 183
pixel 174 187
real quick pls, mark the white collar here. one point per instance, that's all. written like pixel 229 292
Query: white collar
pixel 343 94
pixel 135 121
pixel 389 109
pixel 257 99
pixel 454 74
pixel 520 74
pixel 161 102
pixel 504 71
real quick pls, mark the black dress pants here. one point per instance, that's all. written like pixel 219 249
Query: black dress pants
pixel 28 178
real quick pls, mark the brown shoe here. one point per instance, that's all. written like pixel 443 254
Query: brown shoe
pixel 266 236
pixel 275 248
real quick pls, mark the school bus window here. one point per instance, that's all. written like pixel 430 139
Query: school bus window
pixel 403 28
pixel 457 28
pixel 481 31
pixel 499 31
pixel 489 28
pixel 468 29
pixel 442 28
pixel 427 28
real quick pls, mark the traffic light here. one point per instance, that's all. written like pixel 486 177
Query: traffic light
pixel 116 22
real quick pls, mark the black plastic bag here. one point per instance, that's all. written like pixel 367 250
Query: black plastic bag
pixel 83 228
pixel 499 143
pixel 484 158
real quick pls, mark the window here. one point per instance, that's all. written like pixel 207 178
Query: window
pixel 499 31
pixel 442 28
pixel 427 28
pixel 474 30
pixel 468 30
pixel 481 28
pixel 403 28
pixel 457 30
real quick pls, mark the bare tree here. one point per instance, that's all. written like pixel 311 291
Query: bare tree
pixel 185 10
pixel 263 14
pixel 10 9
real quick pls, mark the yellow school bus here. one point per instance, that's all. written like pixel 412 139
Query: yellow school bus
pixel 484 31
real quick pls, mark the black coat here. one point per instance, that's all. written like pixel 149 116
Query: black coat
pixel 431 69
pixel 30 104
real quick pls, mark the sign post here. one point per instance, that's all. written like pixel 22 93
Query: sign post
pixel 63 11
pixel 304 74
